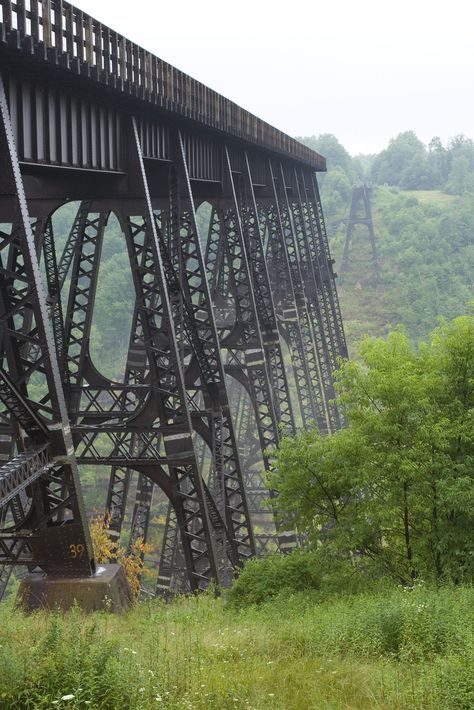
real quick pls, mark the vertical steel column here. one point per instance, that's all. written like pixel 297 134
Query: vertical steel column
pixel 80 308
pixel 53 545
pixel 263 300
pixel 141 511
pixel 329 282
pixel 247 336
pixel 297 320
pixel 78 227
pixel 317 307
pixel 318 293
pixel 54 297
pixel 166 374
pixel 360 197
pixel 172 569
pixel 201 331
pixel 136 370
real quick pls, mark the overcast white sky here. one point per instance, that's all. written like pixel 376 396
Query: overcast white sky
pixel 362 69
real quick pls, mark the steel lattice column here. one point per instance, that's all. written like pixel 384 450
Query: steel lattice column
pixel 162 351
pixel 246 338
pixel 327 263
pixel 193 316
pixel 296 314
pixel 68 547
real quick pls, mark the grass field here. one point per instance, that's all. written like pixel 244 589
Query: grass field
pixel 391 651
pixel 427 197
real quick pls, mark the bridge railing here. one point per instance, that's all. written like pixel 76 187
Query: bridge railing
pixel 63 34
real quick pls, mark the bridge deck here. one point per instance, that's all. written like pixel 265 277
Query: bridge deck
pixel 57 33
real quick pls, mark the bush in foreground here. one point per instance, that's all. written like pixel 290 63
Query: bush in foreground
pixel 301 571
pixel 396 486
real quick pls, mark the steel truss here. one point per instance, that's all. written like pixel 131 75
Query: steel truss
pixel 54 532
pixel 360 214
pixel 234 340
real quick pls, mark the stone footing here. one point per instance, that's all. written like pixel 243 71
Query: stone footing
pixel 107 589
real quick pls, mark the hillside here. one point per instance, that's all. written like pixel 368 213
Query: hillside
pixel 425 246
pixel 423 214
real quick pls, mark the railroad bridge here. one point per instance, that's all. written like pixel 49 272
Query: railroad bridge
pixel 236 329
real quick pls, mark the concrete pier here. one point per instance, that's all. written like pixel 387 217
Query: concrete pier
pixel 107 589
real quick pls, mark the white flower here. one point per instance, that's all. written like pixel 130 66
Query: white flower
pixel 141 690
pixel 159 699
pixel 67 697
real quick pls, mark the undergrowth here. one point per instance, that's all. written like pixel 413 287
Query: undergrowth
pixel 391 650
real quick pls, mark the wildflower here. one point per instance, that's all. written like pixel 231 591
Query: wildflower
pixel 141 690
pixel 159 699
pixel 67 697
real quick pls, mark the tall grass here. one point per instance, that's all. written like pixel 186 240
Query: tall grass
pixel 389 650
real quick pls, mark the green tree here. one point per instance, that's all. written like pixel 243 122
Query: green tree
pixel 327 144
pixel 404 163
pixel 395 489
pixel 439 161
pixel 461 162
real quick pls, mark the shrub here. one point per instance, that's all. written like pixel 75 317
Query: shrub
pixel 452 678
pixel 106 550
pixel 303 570
pixel 263 578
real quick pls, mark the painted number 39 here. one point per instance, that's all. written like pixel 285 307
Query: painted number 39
pixel 76 551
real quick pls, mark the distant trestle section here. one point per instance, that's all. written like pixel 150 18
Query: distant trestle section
pixel 235 333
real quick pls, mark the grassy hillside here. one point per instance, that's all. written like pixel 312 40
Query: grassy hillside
pixel 430 197
pixel 389 651
pixel 425 244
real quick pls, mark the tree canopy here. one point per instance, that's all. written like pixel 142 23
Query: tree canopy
pixel 394 490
